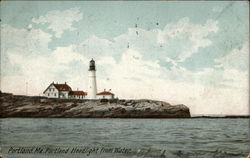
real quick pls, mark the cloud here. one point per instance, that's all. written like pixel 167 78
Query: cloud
pixel 18 47
pixel 235 67
pixel 177 41
pixel 34 71
pixel 40 71
pixel 25 57
pixel 133 66
pixel 107 60
pixel 28 41
pixel 60 21
pixel 129 73
pixel 236 59
pixel 64 55
pixel 193 36
pixel 95 47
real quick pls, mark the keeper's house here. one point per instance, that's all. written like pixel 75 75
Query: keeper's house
pixel 63 91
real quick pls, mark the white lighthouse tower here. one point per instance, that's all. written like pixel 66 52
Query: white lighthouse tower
pixel 92 89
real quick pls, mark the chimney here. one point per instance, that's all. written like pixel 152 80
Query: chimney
pixel 77 89
pixel 65 82
pixel 104 90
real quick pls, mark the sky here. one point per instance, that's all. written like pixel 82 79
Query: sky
pixel 192 53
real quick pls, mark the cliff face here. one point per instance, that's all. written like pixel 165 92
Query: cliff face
pixel 24 106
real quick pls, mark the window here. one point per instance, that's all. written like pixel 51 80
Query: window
pixel 48 94
pixel 55 94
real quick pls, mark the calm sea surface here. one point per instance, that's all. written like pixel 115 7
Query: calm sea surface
pixel 103 138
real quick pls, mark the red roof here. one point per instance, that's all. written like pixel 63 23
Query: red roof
pixel 62 87
pixel 78 93
pixel 105 93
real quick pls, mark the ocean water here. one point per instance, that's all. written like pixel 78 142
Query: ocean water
pixel 143 138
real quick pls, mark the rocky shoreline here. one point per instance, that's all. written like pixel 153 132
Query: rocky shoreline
pixel 42 107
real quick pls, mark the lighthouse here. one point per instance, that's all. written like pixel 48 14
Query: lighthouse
pixel 92 89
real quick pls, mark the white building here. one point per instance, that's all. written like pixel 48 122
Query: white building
pixel 92 87
pixel 55 90
pixel 63 91
pixel 105 95
pixel 77 95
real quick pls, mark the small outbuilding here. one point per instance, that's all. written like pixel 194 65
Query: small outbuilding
pixel 105 95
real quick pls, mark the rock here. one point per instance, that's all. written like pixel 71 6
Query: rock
pixel 26 106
